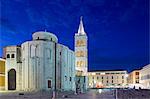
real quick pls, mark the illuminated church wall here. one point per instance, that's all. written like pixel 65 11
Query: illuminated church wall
pixel 66 68
pixel 36 70
pixel 38 64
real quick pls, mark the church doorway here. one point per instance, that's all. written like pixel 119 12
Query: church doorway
pixel 12 79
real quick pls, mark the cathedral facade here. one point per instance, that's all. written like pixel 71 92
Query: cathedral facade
pixel 40 64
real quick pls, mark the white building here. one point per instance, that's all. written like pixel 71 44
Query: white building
pixel 145 76
pixel 81 58
pixel 133 79
pixel 108 79
pixel 12 67
pixel 32 66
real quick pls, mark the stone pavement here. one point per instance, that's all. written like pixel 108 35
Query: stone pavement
pixel 46 95
pixel 111 94
pixel 92 95
pixel 133 94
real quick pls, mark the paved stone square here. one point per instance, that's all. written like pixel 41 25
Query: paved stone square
pixel 111 94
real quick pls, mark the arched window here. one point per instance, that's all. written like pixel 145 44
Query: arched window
pixel 78 63
pixel 78 43
pixel 8 55
pixel 78 53
pixel 81 63
pixel 12 55
pixel 82 42
pixel 81 53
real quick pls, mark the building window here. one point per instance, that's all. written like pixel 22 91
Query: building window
pixel 97 77
pixel 84 79
pixel 78 43
pixel 8 55
pixel 80 53
pixel 70 79
pixel 137 73
pixel 112 77
pixel 93 77
pixel 81 63
pixel 137 81
pixel 122 77
pixel 81 42
pixel 107 81
pixel 112 81
pixel 49 83
pixel 60 53
pixel 102 77
pixel 12 55
pixel 122 81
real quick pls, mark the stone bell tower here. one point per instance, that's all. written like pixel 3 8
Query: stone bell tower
pixel 81 56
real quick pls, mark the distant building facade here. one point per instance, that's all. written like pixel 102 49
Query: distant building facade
pixel 108 79
pixel 33 65
pixel 145 76
pixel 133 77
pixel 2 74
pixel 81 58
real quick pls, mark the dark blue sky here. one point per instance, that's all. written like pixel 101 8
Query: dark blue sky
pixel 118 30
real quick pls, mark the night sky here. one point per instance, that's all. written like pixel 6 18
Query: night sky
pixel 118 30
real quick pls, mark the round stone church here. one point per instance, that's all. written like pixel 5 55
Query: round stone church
pixel 45 64
pixel 40 64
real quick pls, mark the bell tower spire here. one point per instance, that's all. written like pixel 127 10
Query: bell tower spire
pixel 81 27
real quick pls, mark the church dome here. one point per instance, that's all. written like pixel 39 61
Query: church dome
pixel 47 36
